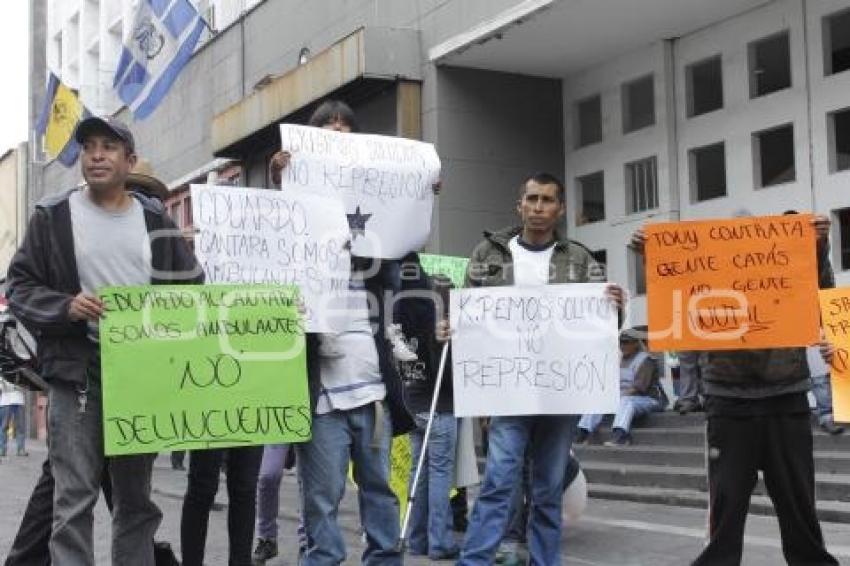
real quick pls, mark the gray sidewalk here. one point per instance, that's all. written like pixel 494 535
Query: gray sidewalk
pixel 610 533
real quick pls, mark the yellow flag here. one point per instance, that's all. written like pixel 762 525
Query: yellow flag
pixel 65 113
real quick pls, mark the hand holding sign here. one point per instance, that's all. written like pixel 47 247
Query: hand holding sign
pixel 551 349
pixel 730 284
pixel 452 267
pixel 287 237
pixel 835 314
pixel 190 367
pixel 386 184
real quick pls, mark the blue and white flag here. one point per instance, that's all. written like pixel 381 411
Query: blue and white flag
pixel 161 42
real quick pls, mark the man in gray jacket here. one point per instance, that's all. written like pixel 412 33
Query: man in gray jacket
pixel 78 242
pixel 534 253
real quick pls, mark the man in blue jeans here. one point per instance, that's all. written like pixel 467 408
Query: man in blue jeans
pixel 357 408
pixel 531 254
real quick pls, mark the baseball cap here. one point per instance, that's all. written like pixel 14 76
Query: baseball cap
pixel 105 124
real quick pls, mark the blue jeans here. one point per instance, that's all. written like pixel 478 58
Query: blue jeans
pixel 518 524
pixel 822 390
pixel 340 437
pixel 268 489
pixel 431 516
pixel 548 439
pixel 14 413
pixel 630 408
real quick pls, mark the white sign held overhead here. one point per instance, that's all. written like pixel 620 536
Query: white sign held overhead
pixel 258 236
pixel 543 350
pixel 386 184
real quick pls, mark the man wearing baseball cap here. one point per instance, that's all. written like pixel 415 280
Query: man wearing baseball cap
pixel 77 242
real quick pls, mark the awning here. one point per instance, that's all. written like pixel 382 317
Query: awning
pixel 555 38
pixel 368 55
pixel 202 171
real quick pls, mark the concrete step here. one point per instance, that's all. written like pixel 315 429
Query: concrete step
pixel 667 419
pixel 828 487
pixel 830 511
pixel 826 461
pixel 695 436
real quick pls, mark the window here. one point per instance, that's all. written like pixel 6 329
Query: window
pixel 57 41
pixel 704 82
pixel 592 198
pixel 836 42
pixel 187 216
pixel 641 185
pixel 638 104
pixel 773 153
pixel 843 215
pixel 600 256
pixel 597 270
pixel 637 273
pixel 839 140
pixel 210 18
pixel 770 64
pixel 708 172
pixel 589 121
pixel 176 213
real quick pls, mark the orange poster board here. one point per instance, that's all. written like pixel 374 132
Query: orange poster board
pixel 835 314
pixel 732 284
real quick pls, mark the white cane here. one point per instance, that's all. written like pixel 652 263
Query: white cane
pixel 411 498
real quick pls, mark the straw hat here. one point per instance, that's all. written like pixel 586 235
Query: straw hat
pixel 141 177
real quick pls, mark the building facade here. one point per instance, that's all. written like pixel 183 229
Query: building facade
pixel 13 186
pixel 682 109
pixel 84 39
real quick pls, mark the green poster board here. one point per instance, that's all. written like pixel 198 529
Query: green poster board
pixel 451 266
pixel 192 367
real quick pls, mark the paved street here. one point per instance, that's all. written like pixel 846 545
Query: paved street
pixel 611 533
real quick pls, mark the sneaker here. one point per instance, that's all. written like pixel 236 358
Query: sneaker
pixel 619 437
pixel 688 406
pixel 329 347
pixel 582 437
pixel 509 558
pixel 266 550
pixel 830 427
pixel 401 351
pixel 450 555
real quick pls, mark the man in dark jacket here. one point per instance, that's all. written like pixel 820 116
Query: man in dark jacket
pixel 758 419
pixel 430 524
pixel 357 406
pixel 77 242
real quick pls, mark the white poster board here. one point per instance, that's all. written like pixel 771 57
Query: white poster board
pixel 543 350
pixel 386 184
pixel 292 237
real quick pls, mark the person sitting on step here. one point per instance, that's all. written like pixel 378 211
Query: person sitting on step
pixel 640 393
